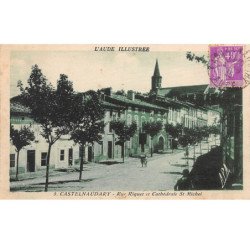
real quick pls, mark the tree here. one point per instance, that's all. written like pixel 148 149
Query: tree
pixel 198 59
pixel 174 131
pixel 87 122
pixel 52 108
pixel 205 134
pixel 204 131
pixel 184 140
pixel 124 132
pixel 121 92
pixel 199 136
pixel 20 139
pixel 194 138
pixel 215 130
pixel 188 138
pixel 152 129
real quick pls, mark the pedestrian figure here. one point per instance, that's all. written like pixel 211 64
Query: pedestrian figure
pixel 144 160
pixel 186 154
pixel 184 183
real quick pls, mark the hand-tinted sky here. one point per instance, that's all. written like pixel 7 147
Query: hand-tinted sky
pixel 120 70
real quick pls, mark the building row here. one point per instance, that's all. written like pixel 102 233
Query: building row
pixel 158 105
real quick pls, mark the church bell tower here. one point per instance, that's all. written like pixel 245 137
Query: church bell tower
pixel 156 78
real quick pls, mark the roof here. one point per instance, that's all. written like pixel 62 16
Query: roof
pixel 174 102
pixel 123 100
pixel 111 105
pixel 167 102
pixel 17 108
pixel 176 91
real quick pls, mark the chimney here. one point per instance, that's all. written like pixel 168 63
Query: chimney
pixel 107 91
pixel 102 96
pixel 131 95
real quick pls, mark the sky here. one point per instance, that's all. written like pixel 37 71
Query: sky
pixel 119 70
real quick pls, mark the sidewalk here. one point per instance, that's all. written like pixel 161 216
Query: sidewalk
pixel 98 176
pixel 57 171
pixel 161 173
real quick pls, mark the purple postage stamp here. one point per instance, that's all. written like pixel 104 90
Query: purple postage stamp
pixel 226 66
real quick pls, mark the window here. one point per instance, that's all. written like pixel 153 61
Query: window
pixel 12 160
pixel 103 128
pixel 62 155
pixel 136 119
pixel 143 120
pixel 110 129
pixel 175 116
pixel 43 159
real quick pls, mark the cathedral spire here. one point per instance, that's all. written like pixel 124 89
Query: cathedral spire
pixel 157 71
pixel 156 78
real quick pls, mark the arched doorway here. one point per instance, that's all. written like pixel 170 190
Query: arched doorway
pixel 161 143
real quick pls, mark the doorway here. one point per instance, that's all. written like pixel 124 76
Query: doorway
pixel 161 143
pixel 142 141
pixel 110 146
pixel 31 161
pixel 70 158
pixel 90 153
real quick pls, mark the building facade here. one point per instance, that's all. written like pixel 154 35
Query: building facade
pixel 130 106
pixel 34 156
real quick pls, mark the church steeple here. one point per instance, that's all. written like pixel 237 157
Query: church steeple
pixel 156 78
pixel 157 71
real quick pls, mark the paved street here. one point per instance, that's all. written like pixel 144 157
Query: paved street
pixel 161 174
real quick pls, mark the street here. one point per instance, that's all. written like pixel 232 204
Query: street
pixel 161 173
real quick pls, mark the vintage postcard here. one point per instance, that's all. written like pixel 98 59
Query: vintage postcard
pixel 125 121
